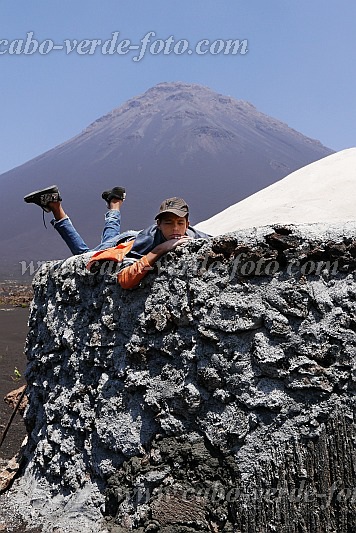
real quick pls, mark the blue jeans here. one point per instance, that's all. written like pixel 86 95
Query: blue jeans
pixel 111 235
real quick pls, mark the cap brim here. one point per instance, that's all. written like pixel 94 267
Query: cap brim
pixel 178 212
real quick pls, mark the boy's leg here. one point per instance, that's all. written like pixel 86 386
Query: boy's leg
pixel 49 199
pixel 70 235
pixel 112 235
pixel 67 231
pixel 112 226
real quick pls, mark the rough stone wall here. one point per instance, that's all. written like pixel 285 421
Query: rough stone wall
pixel 218 396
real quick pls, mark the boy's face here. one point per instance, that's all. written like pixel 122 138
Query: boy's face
pixel 172 226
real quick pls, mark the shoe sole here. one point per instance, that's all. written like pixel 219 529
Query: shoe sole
pixel 29 197
pixel 108 195
pixel 35 196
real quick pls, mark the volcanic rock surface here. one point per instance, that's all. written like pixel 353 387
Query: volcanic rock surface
pixel 217 396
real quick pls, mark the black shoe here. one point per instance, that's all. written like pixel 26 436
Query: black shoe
pixel 116 192
pixel 43 197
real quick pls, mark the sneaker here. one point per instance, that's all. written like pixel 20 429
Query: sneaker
pixel 116 192
pixel 43 197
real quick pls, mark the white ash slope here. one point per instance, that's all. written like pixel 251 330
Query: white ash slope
pixel 323 191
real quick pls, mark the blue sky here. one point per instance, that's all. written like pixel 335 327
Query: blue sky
pixel 299 67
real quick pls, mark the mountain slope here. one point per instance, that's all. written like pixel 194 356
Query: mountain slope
pixel 176 139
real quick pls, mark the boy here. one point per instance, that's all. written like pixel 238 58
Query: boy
pixel 145 247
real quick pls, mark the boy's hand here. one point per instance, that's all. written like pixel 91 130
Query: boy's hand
pixel 173 243
pixel 165 247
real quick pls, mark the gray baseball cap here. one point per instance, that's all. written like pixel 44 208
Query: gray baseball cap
pixel 175 205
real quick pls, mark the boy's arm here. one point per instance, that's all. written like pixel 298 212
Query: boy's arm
pixel 131 276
